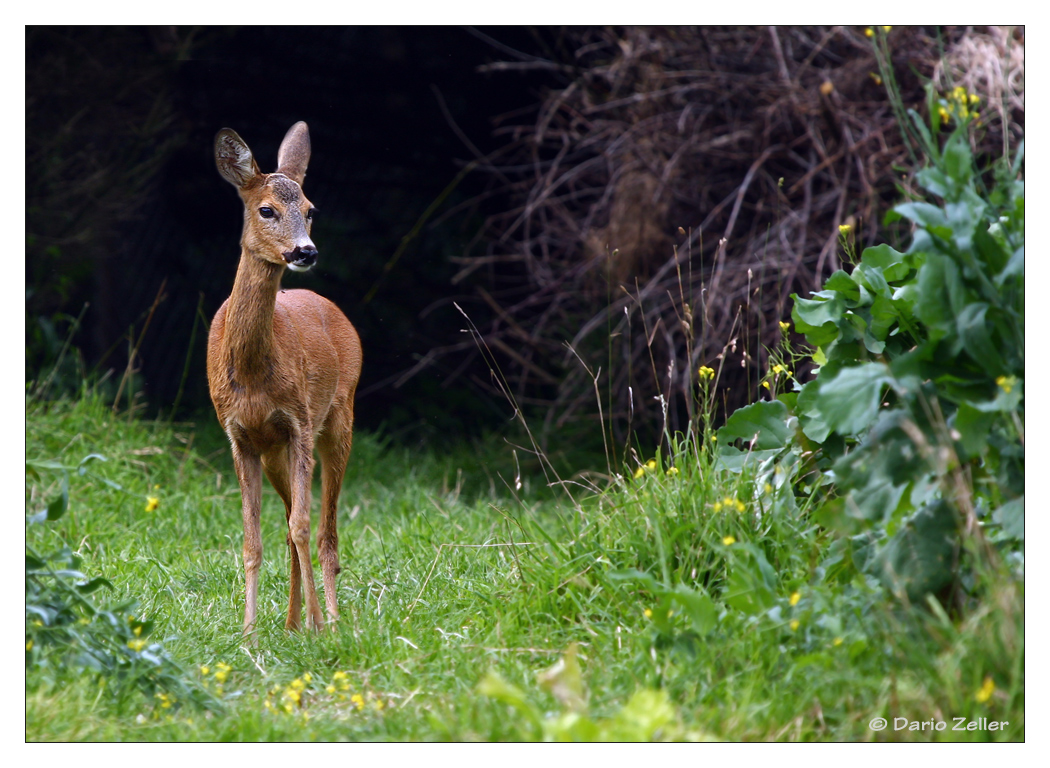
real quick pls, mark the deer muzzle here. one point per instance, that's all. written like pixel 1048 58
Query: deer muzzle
pixel 302 258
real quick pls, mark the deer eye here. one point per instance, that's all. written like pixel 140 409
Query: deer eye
pixel 310 213
pixel 266 212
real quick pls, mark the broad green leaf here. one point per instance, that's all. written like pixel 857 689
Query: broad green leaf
pixel 942 295
pixel 1011 517
pixel 924 214
pixel 844 284
pixel 972 426
pixel 973 330
pixel 919 559
pixel 958 162
pixel 58 505
pixel 698 606
pixel 817 318
pixel 764 423
pixel 872 278
pixel 850 400
pixel 876 502
pixel 991 252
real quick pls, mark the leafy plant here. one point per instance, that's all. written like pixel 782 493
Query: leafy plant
pixel 68 632
pixel 919 398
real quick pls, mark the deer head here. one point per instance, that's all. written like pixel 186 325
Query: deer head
pixel 277 215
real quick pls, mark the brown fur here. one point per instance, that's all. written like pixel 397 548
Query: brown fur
pixel 283 367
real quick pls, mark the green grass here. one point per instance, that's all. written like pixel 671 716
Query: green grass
pixel 472 611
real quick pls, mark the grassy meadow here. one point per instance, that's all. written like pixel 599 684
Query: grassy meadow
pixel 483 598
pixel 842 559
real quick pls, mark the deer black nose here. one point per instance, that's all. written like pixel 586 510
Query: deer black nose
pixel 302 258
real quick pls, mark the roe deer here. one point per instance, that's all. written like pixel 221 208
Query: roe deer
pixel 283 367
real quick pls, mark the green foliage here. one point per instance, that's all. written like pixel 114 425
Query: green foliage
pixel 648 715
pixel 922 377
pixel 699 605
pixel 68 631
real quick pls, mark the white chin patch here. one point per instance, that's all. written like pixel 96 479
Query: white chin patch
pixel 299 267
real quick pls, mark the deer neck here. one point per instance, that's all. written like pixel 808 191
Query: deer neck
pixel 248 339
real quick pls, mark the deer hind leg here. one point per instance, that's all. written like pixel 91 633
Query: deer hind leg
pixel 276 467
pixel 247 466
pixel 334 448
pixel 301 467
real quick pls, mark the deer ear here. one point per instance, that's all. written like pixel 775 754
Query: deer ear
pixel 234 159
pixel 294 154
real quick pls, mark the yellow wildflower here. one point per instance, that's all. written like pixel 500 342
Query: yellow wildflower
pixel 379 704
pixel 784 327
pixel 152 502
pixel 29 645
pixel 730 503
pixel 795 597
pixel 136 645
pixel 706 373
pixel 650 465
pixel 837 641
pixel 672 471
pixel 205 669
pixel 647 613
pixel 717 506
pixel 728 541
pixel 844 229
pixel 794 624
pixel 222 670
pixel 358 701
pixel 765 384
pixel 869 32
pixel 639 472
pixel 1006 383
pixel 985 691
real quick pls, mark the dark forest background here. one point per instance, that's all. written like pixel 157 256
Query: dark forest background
pixel 558 184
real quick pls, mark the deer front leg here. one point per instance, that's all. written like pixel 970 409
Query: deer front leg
pixel 302 464
pixel 249 475
pixel 334 448
pixel 277 468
